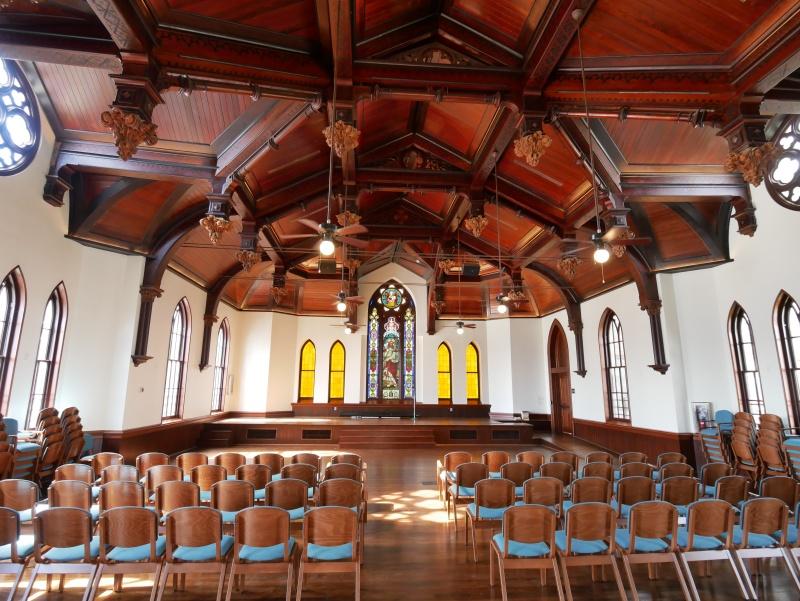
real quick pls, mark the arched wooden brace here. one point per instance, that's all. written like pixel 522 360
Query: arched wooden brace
pixel 154 268
pixel 650 301
pixel 572 304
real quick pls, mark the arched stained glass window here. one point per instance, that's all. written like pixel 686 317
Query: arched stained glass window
pixel 175 383
pixel 615 368
pixel 12 309
pixel 308 361
pixel 220 366
pixel 444 367
pixel 745 362
pixel 19 120
pixel 336 373
pixel 787 330
pixel 391 344
pixel 473 375
pixel 48 354
pixel 783 179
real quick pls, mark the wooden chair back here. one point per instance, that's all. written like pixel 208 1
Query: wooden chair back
pixel 147 460
pixel 494 493
pixel 188 461
pixel 9 532
pixel 710 517
pixel 654 519
pixel 632 457
pixel 566 457
pixel 558 469
pixel 534 458
pixel 262 527
pixel 779 487
pixel 591 521
pixel 230 461
pixel 670 457
pixel 770 421
pixel 712 472
pixel 128 527
pixel 680 490
pixel 633 489
pixel 732 489
pixel 119 472
pixel 529 524
pixel 342 492
pixel 495 459
pixel 287 493
pixel 75 471
pixel 517 471
pixel 256 474
pixel 194 527
pixel 18 495
pixel 455 458
pixel 272 460
pixel 350 458
pixel 599 469
pixel 635 468
pixel 764 516
pixel 772 458
pixel 174 494
pixel 670 470
pixel 599 457
pixel 344 470
pixel 544 491
pixel 590 489
pixel 158 474
pixel 206 475
pixel 330 526
pixel 301 471
pixel 62 527
pixel 100 461
pixel 70 493
pixel 232 495
pixel 468 474
pixel 308 458
pixel 121 493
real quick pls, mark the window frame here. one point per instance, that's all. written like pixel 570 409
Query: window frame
pixel 10 335
pixel 735 316
pixel 220 368
pixel 789 128
pixel 790 363
pixel 29 153
pixel 55 347
pixel 609 388
pixel 449 399
pixel 477 372
pixel 301 399
pixel 331 399
pixel 183 308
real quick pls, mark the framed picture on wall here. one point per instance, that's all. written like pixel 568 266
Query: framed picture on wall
pixel 704 414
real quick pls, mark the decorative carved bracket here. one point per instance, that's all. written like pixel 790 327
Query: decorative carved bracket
pixel 148 295
pixel 576 326
pixel 745 215
pixel 208 323
pixel 55 186
pixel 750 152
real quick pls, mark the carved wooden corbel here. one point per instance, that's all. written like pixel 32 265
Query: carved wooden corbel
pixel 750 152
pixel 148 294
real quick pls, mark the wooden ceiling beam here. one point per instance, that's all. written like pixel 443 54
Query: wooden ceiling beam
pixel 123 25
pixel 502 130
pixel 487 80
pixel 472 42
pixel 538 208
pixel 413 177
pixel 39 46
pixel 85 215
pixel 289 196
pixel 670 187
pixel 394 40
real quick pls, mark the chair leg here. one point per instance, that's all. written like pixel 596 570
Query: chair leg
pixel 358 581
pixel 474 544
pixel 565 576
pixel 503 586
pixel 29 588
pixel 117 583
pixel 15 585
pixel 300 582
pixel 742 576
pixel 491 565
pixel 627 566
pixel 557 578
pixel 95 583
pixel 162 582
pixel 689 578
pixel 289 580
pixel 61 579
pixel 156 579
pixel 221 585
pixel 88 590
pixel 791 567
pixel 618 579
pixel 231 581
pixel 681 578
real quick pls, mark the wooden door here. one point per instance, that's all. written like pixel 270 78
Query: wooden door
pixel 560 384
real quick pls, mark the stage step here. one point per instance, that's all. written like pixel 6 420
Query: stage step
pixel 387 438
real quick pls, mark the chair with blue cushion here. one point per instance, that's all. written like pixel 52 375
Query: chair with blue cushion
pixel 258 475
pixel 80 472
pixel 493 496
pixel 231 462
pixel 63 544
pixel 708 536
pixel 119 473
pixel 175 494
pixel 733 489
pixel 534 458
pixel 156 475
pixel 745 457
pixel 309 459
pixel 666 458
pixel 21 496
pixel 763 535
pixel 545 491
pixel 589 540
pixel 724 420
pixel 195 545
pixel 330 545
pixel 680 491
pixel 566 457
pixel 446 470
pixel 205 476
pixel 494 460
pixel 598 469
pixel 672 470
pixel 345 492
pixel 351 458
pixel 262 545
pixel 519 473
pixel 781 487
pixel 15 550
pixel 632 490
pixel 589 489
pixel 650 538
pixel 101 461
pixel 288 494
pixel 599 457
pixel 145 461
pixel 525 543
pixel 275 462
pixel 462 491
pixel 230 497
pixel 72 493
pixel 629 457
pixel 561 470
pixel 710 473
pixel 121 493
pixel 305 472
pixel 50 455
pixel 188 461
pixel 343 470
pixel 129 544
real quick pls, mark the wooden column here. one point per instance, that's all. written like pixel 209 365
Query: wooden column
pixel 148 294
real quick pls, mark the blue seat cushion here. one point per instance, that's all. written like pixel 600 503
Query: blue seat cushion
pixel 656 474
pixel 580 547
pixel 260 494
pixel 276 477
pixel 205 495
pixel 683 510
pixel 754 541
pixel 519 491
pixel 187 478
pixel 463 491
pixel 94 510
pixel 310 492
pixel 791 534
pixel 273 553
pixel 567 505
pixel 26 515
pixel 24 548
pixel 709 491
pixel 701 543
pixel 71 554
pixel 495 475
pixel 617 474
pixel 792 441
pixel 326 553
pixel 642 545
pixel 518 549
pixel 659 488
pixel 487 513
pixel 232 477
pixel 95 492
pixel 140 553
pixel 297 513
pixel 623 512
pixel 229 517
pixel 27 447
pixel 204 553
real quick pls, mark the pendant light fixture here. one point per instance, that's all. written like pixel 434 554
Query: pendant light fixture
pixel 459 323
pixel 502 298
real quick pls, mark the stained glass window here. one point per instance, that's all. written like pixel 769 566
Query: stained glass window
pixel 787 328
pixel 308 360
pixel 220 366
pixel 445 376
pixel 19 120
pixel 48 355
pixel 615 367
pixel 783 179
pixel 336 373
pixel 175 384
pixel 391 328
pixel 745 362
pixel 12 307
pixel 473 375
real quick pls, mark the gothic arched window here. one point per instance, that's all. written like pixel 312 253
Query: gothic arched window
pixel 391 344
pixel 745 362
pixel 787 331
pixel 19 120
pixel 783 179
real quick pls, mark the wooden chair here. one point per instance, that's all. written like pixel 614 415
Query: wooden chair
pixel 188 461
pixel 77 471
pixel 669 457
pixel 632 490
pixel 302 471
pixel 650 538
pixel 494 460
pixel 309 459
pixel 635 468
pixel 129 544
pixel 446 471
pixel 462 491
pixel 559 469
pixel 590 489
pixel 100 461
pixel 119 472
pixel 629 457
pixel 66 535
pixel 230 497
pixel 350 458
pixel 288 494
pixel 262 545
pixel 157 475
pixel 518 472
pixel 589 540
pixel 176 494
pixel 345 492
pixel 773 460
pixel 256 474
pixel 708 536
pixel 527 541
pixel 231 462
pixel 745 460
pixel 21 496
pixel 599 457
pixel 205 476
pixel 672 470
pixel 732 489
pixel 681 491
pixel 7 458
pixel 598 469
pixel 781 487
pixel 566 457
pixel 545 491
pixel 763 535
pixel 72 493
pixel 493 496
pixel 120 493
pixel 147 460
pixel 195 545
pixel 710 473
pixel 330 545
pixel 15 549
pixel 274 461
pixel 344 470
pixel 534 458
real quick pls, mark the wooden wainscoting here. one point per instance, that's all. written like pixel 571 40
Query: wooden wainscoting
pixel 618 438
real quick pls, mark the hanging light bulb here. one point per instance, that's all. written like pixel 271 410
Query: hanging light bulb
pixel 348 329
pixel 341 303
pixel 326 246
pixel 601 254
pixel 459 327
pixel 502 307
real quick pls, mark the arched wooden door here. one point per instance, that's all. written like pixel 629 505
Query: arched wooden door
pixel 560 385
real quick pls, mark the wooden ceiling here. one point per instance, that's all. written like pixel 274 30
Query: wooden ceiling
pixel 440 90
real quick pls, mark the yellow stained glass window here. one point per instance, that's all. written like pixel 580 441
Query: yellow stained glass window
pixel 308 359
pixel 336 373
pixel 443 361
pixel 473 376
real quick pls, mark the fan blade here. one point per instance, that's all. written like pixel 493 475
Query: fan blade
pixel 298 236
pixel 353 241
pixel 308 223
pixel 355 299
pixel 633 242
pixel 470 325
pixel 352 230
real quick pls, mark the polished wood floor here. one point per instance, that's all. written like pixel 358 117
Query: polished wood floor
pixel 412 553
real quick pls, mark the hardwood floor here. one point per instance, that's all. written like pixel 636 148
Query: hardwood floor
pixel 412 554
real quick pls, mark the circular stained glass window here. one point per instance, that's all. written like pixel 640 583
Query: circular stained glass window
pixel 19 120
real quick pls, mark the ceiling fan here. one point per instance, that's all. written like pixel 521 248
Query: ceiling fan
pixel 329 234
pixel 460 325
pixel 349 326
pixel 342 300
